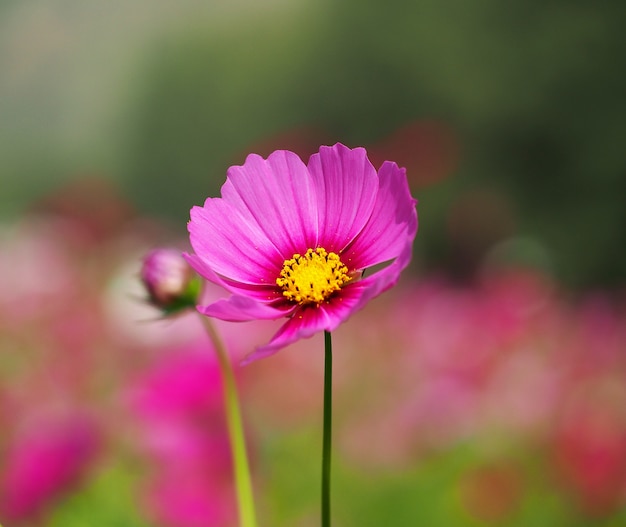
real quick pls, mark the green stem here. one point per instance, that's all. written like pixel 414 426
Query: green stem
pixel 243 484
pixel 327 434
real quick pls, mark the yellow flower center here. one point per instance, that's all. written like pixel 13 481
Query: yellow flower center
pixel 311 278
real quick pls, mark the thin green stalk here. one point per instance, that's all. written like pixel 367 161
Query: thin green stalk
pixel 243 483
pixel 327 434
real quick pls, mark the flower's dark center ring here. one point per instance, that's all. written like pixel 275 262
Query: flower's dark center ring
pixel 311 278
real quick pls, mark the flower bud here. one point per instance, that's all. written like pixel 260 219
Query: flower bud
pixel 171 283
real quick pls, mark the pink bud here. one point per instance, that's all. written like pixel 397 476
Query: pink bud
pixel 171 283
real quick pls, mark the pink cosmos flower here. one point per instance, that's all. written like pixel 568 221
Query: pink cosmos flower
pixel 293 240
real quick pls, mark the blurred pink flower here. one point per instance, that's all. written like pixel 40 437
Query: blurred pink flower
pixel 43 463
pixel 189 500
pixel 589 450
pixel 32 251
pixel 181 429
pixel 291 240
pixel 428 149
pixel 460 362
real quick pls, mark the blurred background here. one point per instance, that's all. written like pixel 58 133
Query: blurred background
pixel 489 387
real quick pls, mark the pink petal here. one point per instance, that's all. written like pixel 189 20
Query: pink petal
pixel 267 293
pixel 346 185
pixel 230 245
pixel 203 269
pixel 276 196
pixel 392 225
pixel 379 282
pixel 305 322
pixel 239 308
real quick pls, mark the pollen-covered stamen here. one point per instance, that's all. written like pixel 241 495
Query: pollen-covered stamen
pixel 311 278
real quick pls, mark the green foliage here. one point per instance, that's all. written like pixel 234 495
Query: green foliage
pixel 453 487
pixel 110 499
